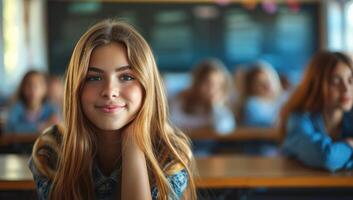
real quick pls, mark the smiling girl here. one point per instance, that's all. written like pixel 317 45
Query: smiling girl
pixel 312 125
pixel 117 142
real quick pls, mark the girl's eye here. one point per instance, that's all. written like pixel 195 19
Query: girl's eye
pixel 93 78
pixel 335 81
pixel 350 81
pixel 126 77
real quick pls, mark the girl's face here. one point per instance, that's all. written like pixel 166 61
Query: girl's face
pixel 339 90
pixel 111 95
pixel 212 88
pixel 261 86
pixel 35 89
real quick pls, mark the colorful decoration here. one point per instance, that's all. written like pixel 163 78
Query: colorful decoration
pixel 293 5
pixel 269 6
pixel 249 4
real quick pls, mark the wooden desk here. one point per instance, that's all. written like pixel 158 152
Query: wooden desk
pixel 241 134
pixel 10 138
pixel 240 171
pixel 214 172
pixel 14 173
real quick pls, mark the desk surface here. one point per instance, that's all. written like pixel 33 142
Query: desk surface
pixel 240 134
pixel 14 172
pixel 13 138
pixel 239 171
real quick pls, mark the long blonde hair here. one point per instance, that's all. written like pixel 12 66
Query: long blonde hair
pixel 167 149
pixel 309 95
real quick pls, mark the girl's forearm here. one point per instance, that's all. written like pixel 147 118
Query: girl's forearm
pixel 135 182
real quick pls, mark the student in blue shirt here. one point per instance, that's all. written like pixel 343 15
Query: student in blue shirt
pixel 312 125
pixel 31 113
pixel 116 142
pixel 259 103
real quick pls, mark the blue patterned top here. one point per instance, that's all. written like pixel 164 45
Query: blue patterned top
pixel 107 187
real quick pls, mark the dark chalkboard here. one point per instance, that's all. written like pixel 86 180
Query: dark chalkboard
pixel 182 34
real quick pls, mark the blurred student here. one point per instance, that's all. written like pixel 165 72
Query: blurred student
pixel 313 128
pixel 259 103
pixel 238 88
pixel 31 113
pixel 204 104
pixel 4 101
pixel 287 89
pixel 56 92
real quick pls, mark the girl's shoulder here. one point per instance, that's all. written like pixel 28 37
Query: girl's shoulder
pixel 46 151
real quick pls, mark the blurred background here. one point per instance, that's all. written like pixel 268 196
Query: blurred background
pixel 258 48
pixel 41 34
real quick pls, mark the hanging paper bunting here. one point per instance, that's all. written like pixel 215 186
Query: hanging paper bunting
pixel 269 6
pixel 293 5
pixel 249 4
pixel 222 2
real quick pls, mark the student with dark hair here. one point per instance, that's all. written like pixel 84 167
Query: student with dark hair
pixel 31 112
pixel 313 126
pixel 204 105
pixel 259 103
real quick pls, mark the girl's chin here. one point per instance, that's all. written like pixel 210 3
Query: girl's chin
pixel 346 107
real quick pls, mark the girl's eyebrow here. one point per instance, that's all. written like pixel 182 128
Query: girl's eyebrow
pixel 118 69
pixel 94 69
pixel 123 68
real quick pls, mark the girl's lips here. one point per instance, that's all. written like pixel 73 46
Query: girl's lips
pixel 345 99
pixel 110 108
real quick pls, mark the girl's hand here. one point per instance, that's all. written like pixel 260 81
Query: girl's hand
pixel 128 141
pixel 218 98
pixel 350 141
pixel 135 181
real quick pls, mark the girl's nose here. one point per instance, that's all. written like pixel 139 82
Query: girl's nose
pixel 345 86
pixel 110 90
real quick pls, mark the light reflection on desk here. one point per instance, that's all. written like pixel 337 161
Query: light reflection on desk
pixel 14 172
pixel 15 168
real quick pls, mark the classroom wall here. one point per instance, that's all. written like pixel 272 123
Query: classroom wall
pixel 1 41
pixel 181 34
pixel 199 29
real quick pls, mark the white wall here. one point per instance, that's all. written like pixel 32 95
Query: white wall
pixel 24 44
pixel 338 25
